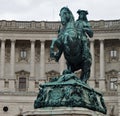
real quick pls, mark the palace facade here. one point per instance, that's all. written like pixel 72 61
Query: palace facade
pixel 25 63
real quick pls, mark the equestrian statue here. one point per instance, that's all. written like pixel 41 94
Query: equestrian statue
pixel 69 90
pixel 73 41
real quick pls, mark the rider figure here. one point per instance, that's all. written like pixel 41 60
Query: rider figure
pixel 84 31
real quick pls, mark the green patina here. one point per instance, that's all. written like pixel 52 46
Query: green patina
pixel 73 42
pixel 68 89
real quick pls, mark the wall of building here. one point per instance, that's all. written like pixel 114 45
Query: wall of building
pixel 20 76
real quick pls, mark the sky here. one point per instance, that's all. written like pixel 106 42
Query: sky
pixel 48 10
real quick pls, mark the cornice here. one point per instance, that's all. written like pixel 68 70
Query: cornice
pixel 47 26
pixel 18 93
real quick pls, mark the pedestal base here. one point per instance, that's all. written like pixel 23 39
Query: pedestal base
pixel 69 91
pixel 60 111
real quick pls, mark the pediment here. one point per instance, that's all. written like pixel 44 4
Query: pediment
pixel 52 72
pixel 112 72
pixel 22 72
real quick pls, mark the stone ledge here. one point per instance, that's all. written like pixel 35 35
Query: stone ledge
pixel 17 93
pixel 55 111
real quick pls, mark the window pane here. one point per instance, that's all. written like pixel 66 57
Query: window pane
pixel 113 82
pixel 111 53
pixel 22 83
pixel 112 85
pixel 115 53
pixel 23 54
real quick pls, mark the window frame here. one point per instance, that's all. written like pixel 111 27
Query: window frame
pixel 113 53
pixel 24 86
pixel 23 54
pixel 113 83
pixel 24 74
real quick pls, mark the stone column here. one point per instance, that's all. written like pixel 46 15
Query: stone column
pixel 2 58
pixel 12 59
pixel 42 61
pixel 102 68
pixel 12 66
pixel 2 65
pixel 92 74
pixel 62 64
pixel 32 67
pixel 32 61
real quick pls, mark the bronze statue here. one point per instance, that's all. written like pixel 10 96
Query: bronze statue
pixel 72 41
pixel 67 89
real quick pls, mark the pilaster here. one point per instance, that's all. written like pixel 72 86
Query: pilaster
pixel 2 58
pixel 2 65
pixel 32 68
pixel 2 84
pixel 32 61
pixel 12 59
pixel 12 85
pixel 102 67
pixel 31 87
pixel 42 61
pixel 92 74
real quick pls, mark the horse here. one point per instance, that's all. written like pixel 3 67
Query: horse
pixel 69 42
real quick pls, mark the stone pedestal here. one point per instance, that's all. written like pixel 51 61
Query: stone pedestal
pixel 68 90
pixel 60 111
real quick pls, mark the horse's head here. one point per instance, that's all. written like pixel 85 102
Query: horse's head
pixel 66 16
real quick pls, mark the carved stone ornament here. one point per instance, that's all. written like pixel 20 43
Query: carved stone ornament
pixel 68 90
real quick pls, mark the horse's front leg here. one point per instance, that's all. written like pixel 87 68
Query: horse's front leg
pixel 53 54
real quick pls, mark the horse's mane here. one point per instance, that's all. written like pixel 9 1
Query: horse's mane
pixel 69 11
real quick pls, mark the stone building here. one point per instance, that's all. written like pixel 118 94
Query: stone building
pixel 25 63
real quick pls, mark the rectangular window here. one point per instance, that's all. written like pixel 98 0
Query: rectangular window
pixel 22 83
pixel 23 54
pixel 113 53
pixel 6 85
pixel 113 82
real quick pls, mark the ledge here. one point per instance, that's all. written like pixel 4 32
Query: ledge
pixel 67 111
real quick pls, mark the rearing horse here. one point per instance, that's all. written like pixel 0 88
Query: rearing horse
pixel 69 42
